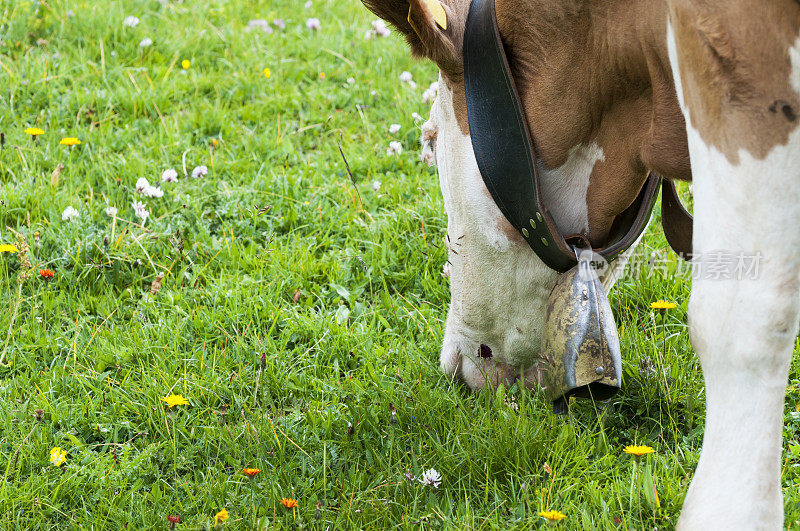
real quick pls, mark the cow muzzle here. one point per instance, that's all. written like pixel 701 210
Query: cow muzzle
pixel 580 343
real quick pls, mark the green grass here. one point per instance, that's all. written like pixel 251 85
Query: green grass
pixel 337 288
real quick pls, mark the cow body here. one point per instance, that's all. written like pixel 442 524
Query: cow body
pixel 707 90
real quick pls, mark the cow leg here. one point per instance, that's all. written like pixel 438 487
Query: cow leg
pixel 745 302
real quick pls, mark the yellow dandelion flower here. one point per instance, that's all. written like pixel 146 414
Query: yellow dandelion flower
pixel 58 456
pixel 185 64
pixel 34 131
pixel 662 305
pixel 8 248
pixel 69 141
pixel 552 515
pixel 638 451
pixel 175 400
pixel 267 73
pixel 221 516
pixel 322 75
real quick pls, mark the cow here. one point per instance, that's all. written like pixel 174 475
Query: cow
pixel 700 90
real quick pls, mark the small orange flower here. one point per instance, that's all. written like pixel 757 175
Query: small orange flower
pixel 322 75
pixel 47 274
pixel 251 471
pixel 289 503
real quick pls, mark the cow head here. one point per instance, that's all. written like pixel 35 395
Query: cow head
pixel 499 287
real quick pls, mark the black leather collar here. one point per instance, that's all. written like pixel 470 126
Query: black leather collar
pixel 506 156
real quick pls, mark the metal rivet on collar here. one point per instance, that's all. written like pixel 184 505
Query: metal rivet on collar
pixel 524 232
pixel 539 216
pixel 533 223
pixel 545 242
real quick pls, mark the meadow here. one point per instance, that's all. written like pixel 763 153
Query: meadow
pixel 264 307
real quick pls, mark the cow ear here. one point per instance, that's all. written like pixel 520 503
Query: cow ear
pixel 430 27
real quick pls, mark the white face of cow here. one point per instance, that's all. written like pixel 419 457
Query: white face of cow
pixel 499 287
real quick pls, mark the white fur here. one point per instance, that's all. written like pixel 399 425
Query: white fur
pixel 743 330
pixel 564 188
pixel 498 285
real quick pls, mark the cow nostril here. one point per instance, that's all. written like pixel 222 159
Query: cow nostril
pixel 485 352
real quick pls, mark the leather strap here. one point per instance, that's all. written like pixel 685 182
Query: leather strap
pixel 676 221
pixel 506 156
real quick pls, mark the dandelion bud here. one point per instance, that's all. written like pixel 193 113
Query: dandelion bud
pixel 105 241
pixel 223 414
pixel 39 414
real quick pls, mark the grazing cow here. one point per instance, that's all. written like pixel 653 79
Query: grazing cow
pixel 707 90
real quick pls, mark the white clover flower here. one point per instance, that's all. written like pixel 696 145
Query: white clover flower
pixel 376 185
pixel 70 13
pixel 140 210
pixel 199 172
pixel 259 23
pixel 313 24
pixel 368 35
pixel 395 148
pixel 69 214
pixel 141 185
pixel 394 128
pixel 379 28
pixel 406 77
pixel 412 84
pixel 426 155
pixel 147 41
pixel 111 211
pixel 279 23
pixel 169 176
pixel 431 478
pixel 153 191
pixel 351 80
pixel 430 93
pixel 416 117
pixel 130 22
pixel 308 4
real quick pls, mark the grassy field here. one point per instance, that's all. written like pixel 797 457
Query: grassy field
pixel 299 313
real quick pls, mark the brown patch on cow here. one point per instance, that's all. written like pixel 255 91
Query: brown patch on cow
pixel 459 102
pixel 736 72
pixel 616 180
pixel 598 71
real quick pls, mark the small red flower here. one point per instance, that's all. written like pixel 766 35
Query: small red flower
pixel 251 471
pixel 173 520
pixel 47 274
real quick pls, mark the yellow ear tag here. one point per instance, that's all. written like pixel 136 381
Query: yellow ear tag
pixel 438 13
